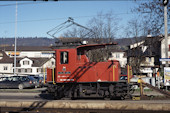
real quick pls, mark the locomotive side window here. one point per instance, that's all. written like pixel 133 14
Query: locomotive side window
pixel 64 57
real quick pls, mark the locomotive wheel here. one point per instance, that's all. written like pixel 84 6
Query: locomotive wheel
pixel 56 96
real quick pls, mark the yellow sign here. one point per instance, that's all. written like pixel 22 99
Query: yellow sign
pixel 13 53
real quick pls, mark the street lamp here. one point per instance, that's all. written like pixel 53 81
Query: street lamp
pixel 165 3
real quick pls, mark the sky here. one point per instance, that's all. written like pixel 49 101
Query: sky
pixel 35 19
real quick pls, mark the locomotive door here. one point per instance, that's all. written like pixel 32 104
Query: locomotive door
pixel 65 64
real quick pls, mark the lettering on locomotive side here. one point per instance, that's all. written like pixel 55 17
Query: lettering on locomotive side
pixel 66 79
pixel 68 72
pixel 63 76
pixel 60 72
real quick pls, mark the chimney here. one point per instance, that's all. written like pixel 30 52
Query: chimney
pixel 149 36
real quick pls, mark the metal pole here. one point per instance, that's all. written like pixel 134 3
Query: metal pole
pixel 158 79
pixel 166 34
pixel 128 74
pixel 15 39
pixel 44 75
pixel 165 2
pixel 53 75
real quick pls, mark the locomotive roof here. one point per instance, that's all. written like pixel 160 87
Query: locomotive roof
pixel 83 47
pixel 94 46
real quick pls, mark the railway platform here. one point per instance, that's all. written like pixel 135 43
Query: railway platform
pixel 147 106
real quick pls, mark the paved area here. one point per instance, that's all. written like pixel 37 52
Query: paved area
pixel 149 93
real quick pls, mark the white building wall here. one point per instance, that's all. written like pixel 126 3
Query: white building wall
pixel 149 61
pixel 30 62
pixel 163 48
pixel 120 57
pixel 9 68
pixel 136 44
pixel 34 70
pixel 50 63
pixel 30 54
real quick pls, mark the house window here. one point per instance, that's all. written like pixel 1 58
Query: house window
pixel 26 70
pixel 52 63
pixel 22 70
pixel 29 70
pixel 19 70
pixel 39 70
pixel 149 59
pixel 64 57
pixel 117 56
pixel 26 62
pixel 5 67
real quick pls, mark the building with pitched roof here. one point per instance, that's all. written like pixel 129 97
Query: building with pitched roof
pixel 6 63
pixel 34 66
pixel 30 59
pixel 29 51
pixel 144 56
pixel 119 55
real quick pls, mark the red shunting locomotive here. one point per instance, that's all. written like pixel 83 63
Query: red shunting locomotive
pixel 76 77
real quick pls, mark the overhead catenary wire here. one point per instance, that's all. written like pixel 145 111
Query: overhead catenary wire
pixel 22 3
pixel 41 1
pixel 53 19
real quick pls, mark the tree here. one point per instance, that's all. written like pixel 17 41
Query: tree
pixel 104 27
pixel 152 12
pixel 76 32
pixel 135 29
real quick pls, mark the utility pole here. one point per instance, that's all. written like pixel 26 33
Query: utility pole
pixel 15 39
pixel 165 2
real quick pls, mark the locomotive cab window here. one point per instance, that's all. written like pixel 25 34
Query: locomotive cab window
pixel 64 57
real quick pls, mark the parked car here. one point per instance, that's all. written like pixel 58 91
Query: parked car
pixel 123 77
pixel 3 78
pixel 39 81
pixel 19 82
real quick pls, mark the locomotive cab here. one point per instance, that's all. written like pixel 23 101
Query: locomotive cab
pixel 72 65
